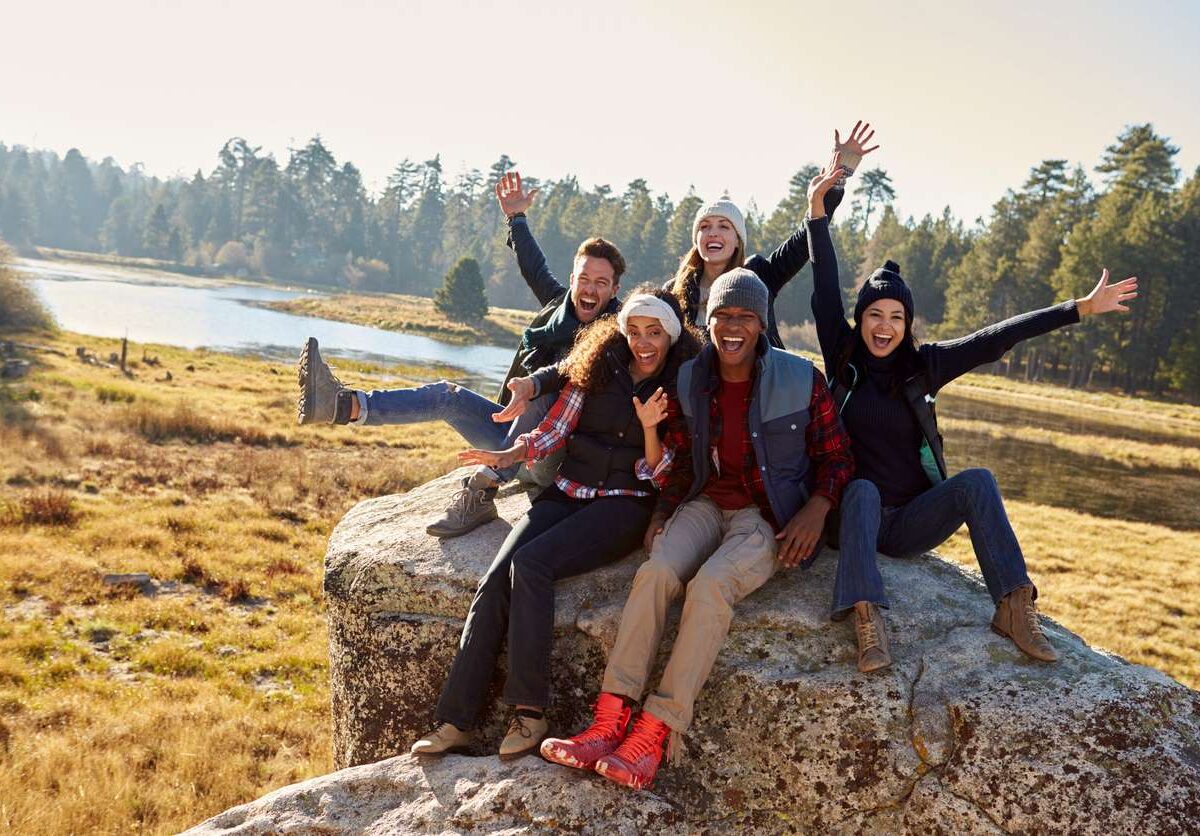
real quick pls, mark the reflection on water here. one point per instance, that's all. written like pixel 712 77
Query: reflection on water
pixel 153 307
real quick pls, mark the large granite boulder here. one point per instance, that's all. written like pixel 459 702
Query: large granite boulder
pixel 963 733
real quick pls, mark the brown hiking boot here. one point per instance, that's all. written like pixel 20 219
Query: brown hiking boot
pixel 443 740
pixel 872 637
pixel 1017 618
pixel 525 735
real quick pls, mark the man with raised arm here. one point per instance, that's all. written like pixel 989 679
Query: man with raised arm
pixel 485 424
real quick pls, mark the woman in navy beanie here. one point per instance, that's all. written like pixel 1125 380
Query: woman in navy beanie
pixel 903 501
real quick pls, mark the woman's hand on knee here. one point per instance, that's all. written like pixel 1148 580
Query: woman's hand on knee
pixel 655 528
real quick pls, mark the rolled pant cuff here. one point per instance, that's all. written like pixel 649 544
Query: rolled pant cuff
pixel 1017 585
pixel 362 413
pixel 516 699
pixel 839 609
pixel 621 688
pixel 661 709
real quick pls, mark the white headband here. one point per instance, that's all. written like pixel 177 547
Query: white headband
pixel 645 304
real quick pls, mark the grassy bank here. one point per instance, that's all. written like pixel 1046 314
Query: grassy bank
pixel 147 709
pixel 411 314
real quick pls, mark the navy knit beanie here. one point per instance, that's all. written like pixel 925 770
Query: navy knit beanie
pixel 884 283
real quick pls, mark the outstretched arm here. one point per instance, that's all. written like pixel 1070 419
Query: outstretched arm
pixel 947 360
pixel 781 266
pixel 827 308
pixel 514 201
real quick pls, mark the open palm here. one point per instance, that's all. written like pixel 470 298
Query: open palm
pixel 513 198
pixel 1107 297
pixel 853 149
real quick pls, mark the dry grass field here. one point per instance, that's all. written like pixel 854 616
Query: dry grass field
pixel 147 708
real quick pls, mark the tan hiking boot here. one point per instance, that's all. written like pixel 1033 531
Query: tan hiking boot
pixel 319 387
pixel 872 637
pixel 443 740
pixel 1017 618
pixel 471 506
pixel 525 735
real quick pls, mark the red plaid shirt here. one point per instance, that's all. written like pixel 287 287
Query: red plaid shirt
pixel 825 439
pixel 560 422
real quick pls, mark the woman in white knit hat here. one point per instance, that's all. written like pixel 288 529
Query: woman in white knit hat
pixel 719 244
pixel 619 384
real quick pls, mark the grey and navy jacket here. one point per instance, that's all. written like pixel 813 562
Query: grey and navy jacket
pixel 798 446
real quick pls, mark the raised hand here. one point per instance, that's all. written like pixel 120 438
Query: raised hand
pixel 513 199
pixel 1107 297
pixel 522 394
pixel 853 150
pixel 830 176
pixel 494 458
pixel 653 410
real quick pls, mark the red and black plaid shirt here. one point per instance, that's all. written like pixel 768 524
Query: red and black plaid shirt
pixel 825 439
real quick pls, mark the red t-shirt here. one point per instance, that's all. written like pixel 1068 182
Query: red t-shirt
pixel 727 486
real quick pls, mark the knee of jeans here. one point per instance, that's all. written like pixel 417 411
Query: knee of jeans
pixel 980 481
pixel 444 389
pixel 527 562
pixel 860 492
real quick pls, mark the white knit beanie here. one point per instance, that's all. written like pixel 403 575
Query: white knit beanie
pixel 723 208
pixel 646 304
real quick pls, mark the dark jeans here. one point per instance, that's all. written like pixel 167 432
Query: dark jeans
pixel 467 412
pixel 557 538
pixel 972 497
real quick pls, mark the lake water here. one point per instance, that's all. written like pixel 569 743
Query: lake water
pixel 155 307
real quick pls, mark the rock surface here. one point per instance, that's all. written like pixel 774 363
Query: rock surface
pixel 963 733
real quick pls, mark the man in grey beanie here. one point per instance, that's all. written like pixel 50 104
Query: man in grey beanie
pixel 760 459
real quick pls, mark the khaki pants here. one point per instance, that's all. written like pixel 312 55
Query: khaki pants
pixel 722 556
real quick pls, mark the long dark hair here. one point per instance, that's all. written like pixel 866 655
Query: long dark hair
pixel 587 366
pixel 908 357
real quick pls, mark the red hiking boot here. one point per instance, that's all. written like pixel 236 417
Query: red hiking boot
pixel 636 760
pixel 610 719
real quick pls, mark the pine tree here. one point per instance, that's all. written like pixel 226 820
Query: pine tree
pixel 461 296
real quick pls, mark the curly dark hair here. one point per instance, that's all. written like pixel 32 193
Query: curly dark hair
pixel 587 365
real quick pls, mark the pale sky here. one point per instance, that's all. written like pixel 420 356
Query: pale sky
pixel 966 97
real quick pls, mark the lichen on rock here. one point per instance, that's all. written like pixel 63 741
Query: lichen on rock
pixel 962 734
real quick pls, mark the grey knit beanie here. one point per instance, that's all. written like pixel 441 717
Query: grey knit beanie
pixel 738 288
pixel 723 208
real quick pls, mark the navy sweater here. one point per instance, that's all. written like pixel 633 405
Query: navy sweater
pixel 884 432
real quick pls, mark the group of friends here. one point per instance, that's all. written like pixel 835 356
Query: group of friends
pixel 675 421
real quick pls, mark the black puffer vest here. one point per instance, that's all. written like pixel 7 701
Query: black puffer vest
pixel 608 440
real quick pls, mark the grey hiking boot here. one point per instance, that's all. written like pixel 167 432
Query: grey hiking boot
pixel 318 387
pixel 473 505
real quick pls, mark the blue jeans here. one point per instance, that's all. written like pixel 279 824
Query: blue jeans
pixel 971 496
pixel 467 412
pixel 558 537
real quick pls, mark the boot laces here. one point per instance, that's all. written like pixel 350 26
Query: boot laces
pixel 517 726
pixel 868 636
pixel 464 501
pixel 606 720
pixel 644 741
pixel 1031 620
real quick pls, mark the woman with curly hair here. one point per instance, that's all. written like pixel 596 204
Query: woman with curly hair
pixel 619 378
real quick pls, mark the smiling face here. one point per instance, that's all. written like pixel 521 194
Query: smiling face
pixel 716 240
pixel 735 335
pixel 593 285
pixel 883 326
pixel 649 342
